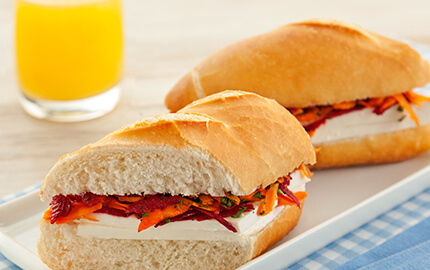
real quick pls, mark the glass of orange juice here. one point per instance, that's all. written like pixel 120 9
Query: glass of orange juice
pixel 69 56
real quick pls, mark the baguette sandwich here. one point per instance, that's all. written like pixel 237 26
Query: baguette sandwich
pixel 209 187
pixel 351 89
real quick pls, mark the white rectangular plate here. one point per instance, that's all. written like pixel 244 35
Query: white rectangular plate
pixel 339 201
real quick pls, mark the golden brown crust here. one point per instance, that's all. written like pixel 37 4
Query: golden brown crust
pixel 184 92
pixel 279 139
pixel 309 63
pixel 255 138
pixel 380 148
pixel 277 229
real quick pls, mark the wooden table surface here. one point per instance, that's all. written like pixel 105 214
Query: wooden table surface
pixel 163 40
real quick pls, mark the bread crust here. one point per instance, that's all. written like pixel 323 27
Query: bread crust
pixel 380 148
pixel 254 138
pixel 306 64
pixel 184 92
pixel 60 247
pixel 278 136
pixel 277 229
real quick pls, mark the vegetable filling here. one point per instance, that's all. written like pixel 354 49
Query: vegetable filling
pixel 160 209
pixel 313 117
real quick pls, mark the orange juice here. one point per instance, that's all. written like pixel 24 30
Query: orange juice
pixel 68 49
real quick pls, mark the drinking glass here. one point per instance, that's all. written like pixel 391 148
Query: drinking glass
pixel 69 56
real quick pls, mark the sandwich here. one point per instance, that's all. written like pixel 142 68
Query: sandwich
pixel 209 187
pixel 352 90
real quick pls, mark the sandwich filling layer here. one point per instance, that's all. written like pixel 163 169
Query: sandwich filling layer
pixel 157 216
pixel 358 118
pixel 110 227
pixel 248 223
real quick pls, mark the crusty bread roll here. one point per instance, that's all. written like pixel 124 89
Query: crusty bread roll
pixel 317 63
pixel 306 64
pixel 233 141
pixel 230 142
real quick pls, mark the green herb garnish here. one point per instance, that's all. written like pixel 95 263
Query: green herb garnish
pixel 258 195
pixel 226 202
pixel 239 213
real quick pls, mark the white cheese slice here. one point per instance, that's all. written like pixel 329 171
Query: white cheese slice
pixel 365 122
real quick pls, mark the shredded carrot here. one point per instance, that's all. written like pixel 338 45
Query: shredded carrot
pixel 405 105
pixel 388 102
pixel 234 198
pixel 314 113
pixel 301 195
pixel 48 213
pixel 267 204
pixel 285 200
pixel 90 218
pixel 345 105
pixel 296 111
pixel 415 98
pixel 305 171
pixel 213 206
pixel 310 116
pixel 252 197
pixel 364 103
pixel 206 199
pixel 218 199
pixel 375 102
pixel 186 202
pixel 113 203
pixel 79 210
pixel 317 149
pixel 151 218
